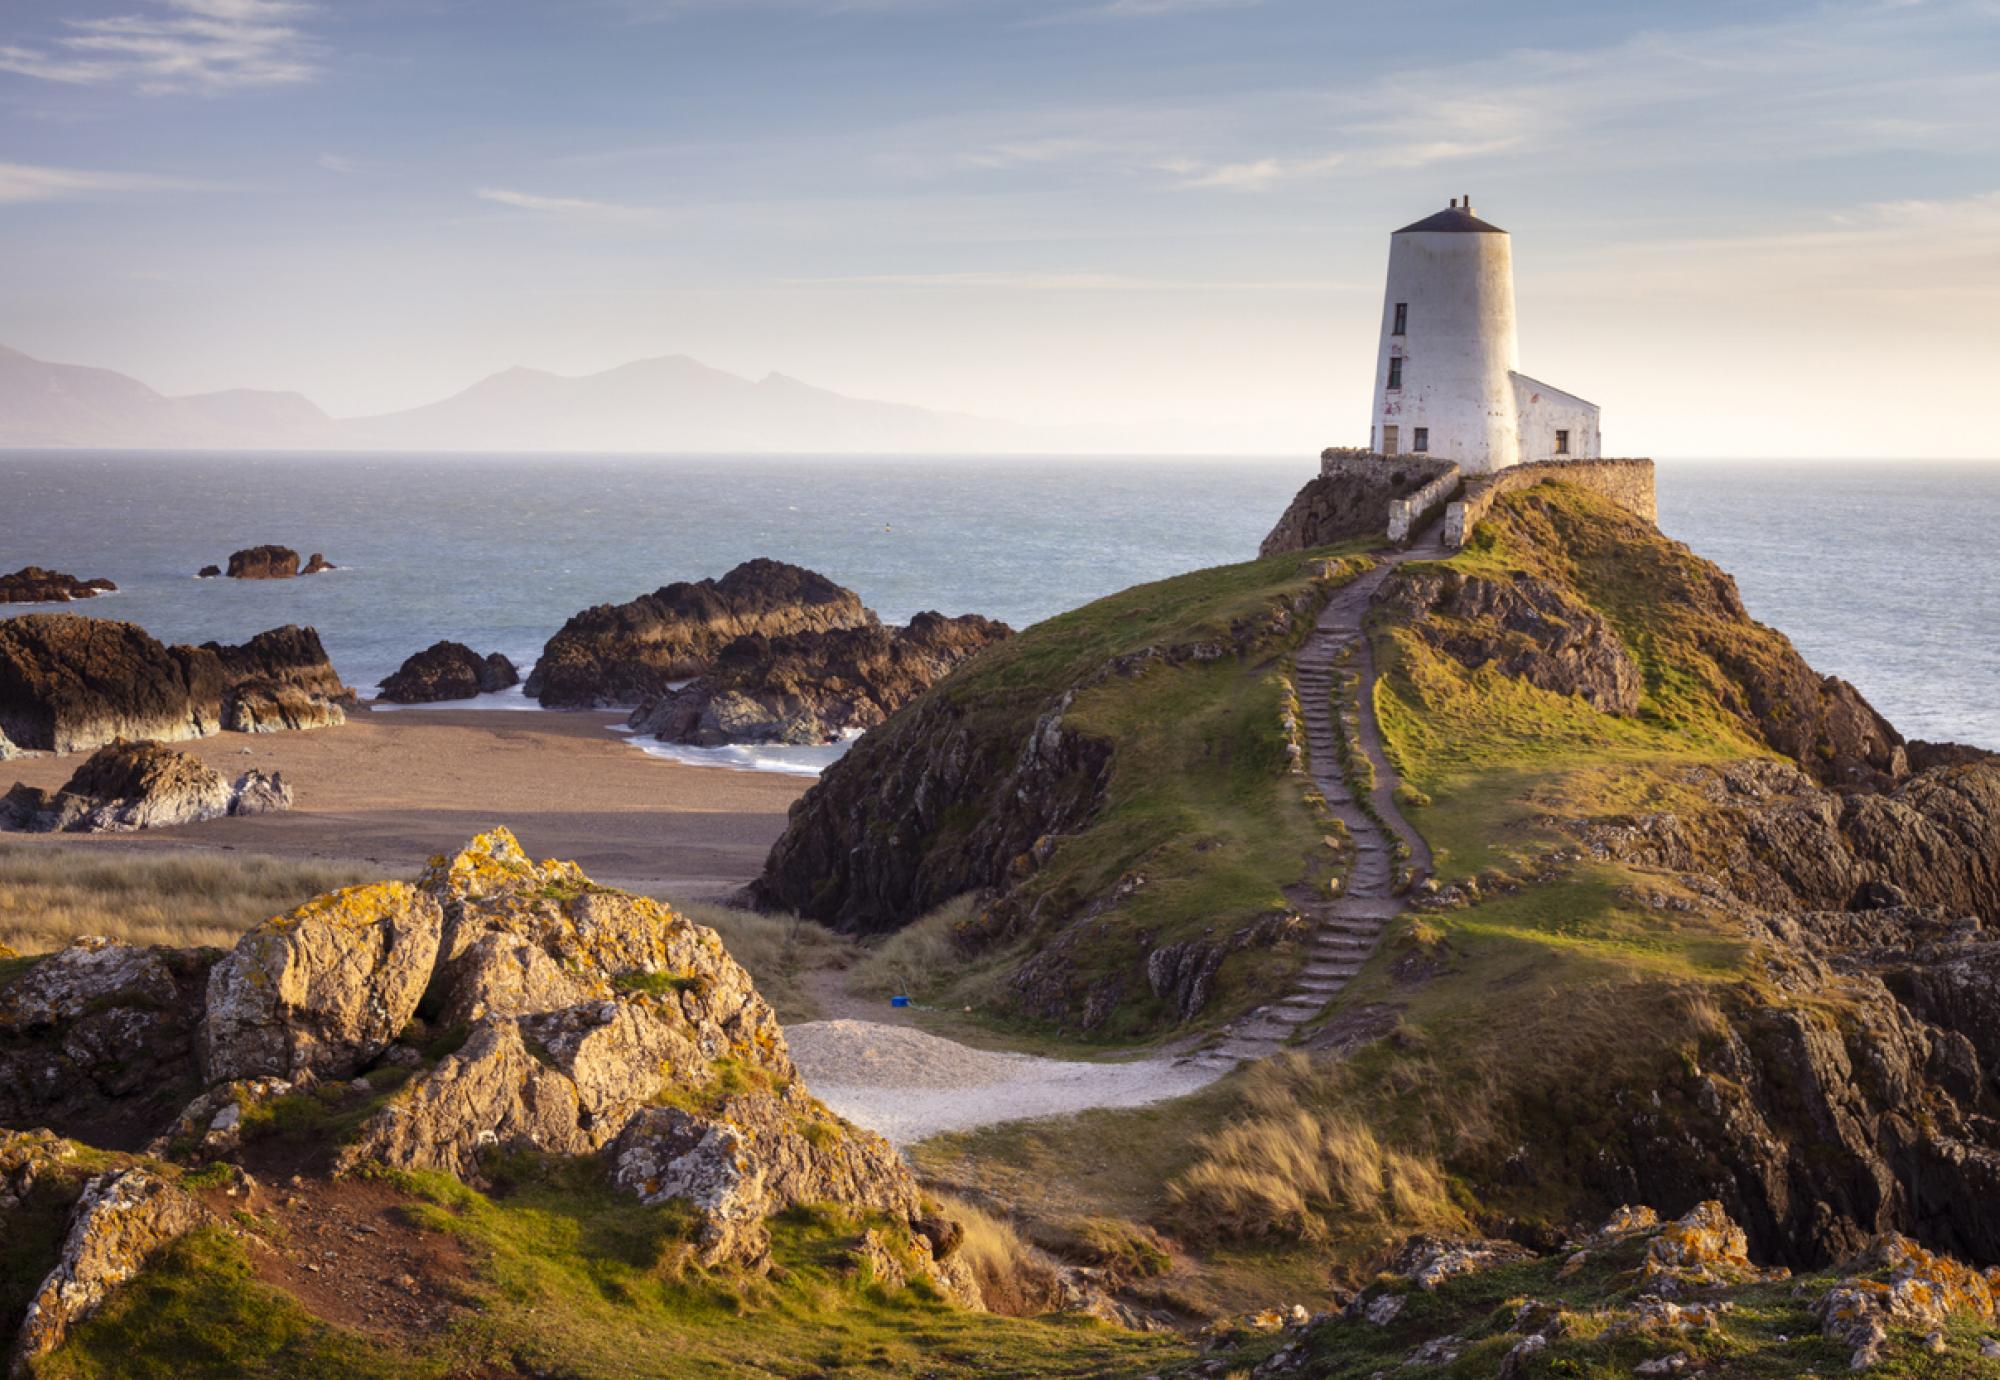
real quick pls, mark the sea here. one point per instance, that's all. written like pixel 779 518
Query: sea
pixel 1884 573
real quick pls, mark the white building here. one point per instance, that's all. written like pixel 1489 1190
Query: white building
pixel 1447 379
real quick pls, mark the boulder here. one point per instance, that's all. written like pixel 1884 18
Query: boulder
pixel 815 687
pixel 70 683
pixel 144 785
pixel 623 654
pixel 98 1039
pixel 121 1219
pixel 322 991
pixel 448 671
pixel 208 572
pixel 33 585
pixel 318 564
pixel 263 563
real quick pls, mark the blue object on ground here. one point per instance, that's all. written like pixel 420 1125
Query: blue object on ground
pixel 899 1001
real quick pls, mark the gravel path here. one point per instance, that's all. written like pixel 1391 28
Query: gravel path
pixel 909 1085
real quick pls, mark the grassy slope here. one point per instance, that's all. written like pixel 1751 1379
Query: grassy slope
pixel 573 1280
pixel 1199 803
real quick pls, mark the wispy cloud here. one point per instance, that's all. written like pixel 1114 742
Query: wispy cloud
pixel 1079 282
pixel 571 207
pixel 1256 175
pixel 205 46
pixel 26 182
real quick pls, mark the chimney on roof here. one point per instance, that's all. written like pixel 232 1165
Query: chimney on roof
pixel 1454 203
pixel 1468 205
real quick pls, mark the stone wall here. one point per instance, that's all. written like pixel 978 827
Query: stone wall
pixel 1628 483
pixel 1408 515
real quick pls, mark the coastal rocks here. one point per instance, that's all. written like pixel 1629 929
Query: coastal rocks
pixel 815 687
pixel 1350 500
pixel 144 785
pixel 322 991
pixel 70 683
pixel 318 564
pixel 97 1039
pixel 121 1219
pixel 208 572
pixel 623 654
pixel 448 671
pixel 1898 1284
pixel 263 563
pixel 33 585
pixel 1527 628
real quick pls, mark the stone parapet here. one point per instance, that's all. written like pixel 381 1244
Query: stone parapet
pixel 1628 483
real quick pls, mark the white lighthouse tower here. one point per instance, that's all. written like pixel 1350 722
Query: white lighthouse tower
pixel 1447 377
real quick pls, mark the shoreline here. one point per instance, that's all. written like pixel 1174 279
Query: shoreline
pixel 389 790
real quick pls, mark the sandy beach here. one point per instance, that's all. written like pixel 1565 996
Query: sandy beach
pixel 391 789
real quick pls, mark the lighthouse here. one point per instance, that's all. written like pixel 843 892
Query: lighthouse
pixel 1448 382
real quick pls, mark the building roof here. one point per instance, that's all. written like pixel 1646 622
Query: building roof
pixel 1454 221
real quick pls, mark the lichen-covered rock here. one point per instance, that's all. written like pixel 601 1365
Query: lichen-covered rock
pixel 625 653
pixel 814 687
pixel 448 671
pixel 33 585
pixel 1897 1283
pixel 122 1218
pixel 1699 1250
pixel 664 1154
pixel 212 1124
pixel 27 1157
pixel 98 1039
pixel 322 990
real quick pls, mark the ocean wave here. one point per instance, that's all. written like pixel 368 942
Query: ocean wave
pixel 508 701
pixel 769 757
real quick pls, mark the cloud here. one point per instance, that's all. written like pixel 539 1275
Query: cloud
pixel 178 46
pixel 25 182
pixel 1077 282
pixel 1258 174
pixel 571 207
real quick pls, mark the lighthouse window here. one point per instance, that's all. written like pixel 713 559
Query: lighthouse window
pixel 1422 441
pixel 1402 318
pixel 1396 371
pixel 1562 443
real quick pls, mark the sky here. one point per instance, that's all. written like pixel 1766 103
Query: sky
pixel 1744 229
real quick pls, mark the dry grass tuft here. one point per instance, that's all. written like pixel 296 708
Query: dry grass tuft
pixel 920 959
pixel 51 894
pixel 1017 1279
pixel 1295 1166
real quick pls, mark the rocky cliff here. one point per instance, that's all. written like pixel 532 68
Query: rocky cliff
pixel 624 654
pixel 1349 501
pixel 70 683
pixel 814 687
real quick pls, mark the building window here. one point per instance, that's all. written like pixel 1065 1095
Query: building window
pixel 1420 439
pixel 1395 371
pixel 1402 318
pixel 1562 443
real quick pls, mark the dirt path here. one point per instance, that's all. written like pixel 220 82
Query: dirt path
pixel 1348 927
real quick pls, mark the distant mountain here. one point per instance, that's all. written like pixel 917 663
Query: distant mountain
pixel 669 404
pixel 43 404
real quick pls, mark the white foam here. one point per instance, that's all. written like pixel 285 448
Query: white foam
pixel 511 699
pixel 771 757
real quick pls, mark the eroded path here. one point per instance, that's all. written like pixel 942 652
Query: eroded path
pixel 1349 926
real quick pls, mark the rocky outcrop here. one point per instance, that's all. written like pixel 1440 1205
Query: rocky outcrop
pixel 208 572
pixel 1775 839
pixel 33 585
pixel 143 785
pixel 815 687
pixel 1349 501
pixel 122 1218
pixel 98 1039
pixel 263 563
pixel 624 654
pixel 70 683
pixel 1526 627
pixel 318 564
pixel 321 992
pixel 448 671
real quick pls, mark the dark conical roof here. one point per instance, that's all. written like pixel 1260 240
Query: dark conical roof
pixel 1454 221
